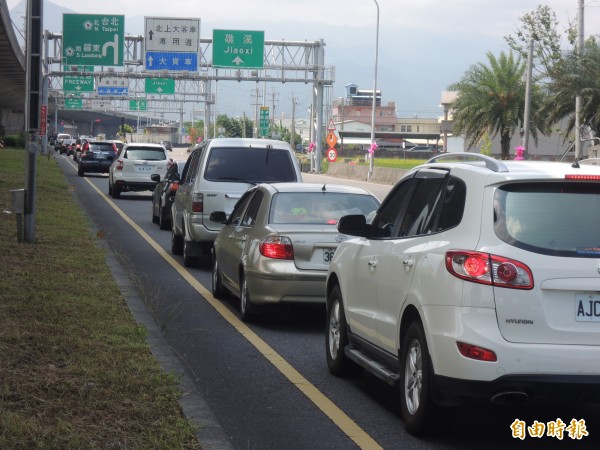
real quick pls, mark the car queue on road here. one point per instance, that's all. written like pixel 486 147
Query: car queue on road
pixel 447 270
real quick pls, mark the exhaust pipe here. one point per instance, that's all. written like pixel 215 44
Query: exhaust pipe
pixel 511 398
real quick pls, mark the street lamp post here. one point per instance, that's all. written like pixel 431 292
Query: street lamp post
pixel 372 149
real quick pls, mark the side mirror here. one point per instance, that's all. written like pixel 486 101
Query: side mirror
pixel 354 225
pixel 218 216
pixel 155 177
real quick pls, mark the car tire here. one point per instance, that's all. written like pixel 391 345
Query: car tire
pixel 247 312
pixel 116 191
pixel 109 189
pixel 164 222
pixel 176 243
pixel 336 338
pixel 419 412
pixel 218 291
pixel 80 170
pixel 154 216
pixel 188 260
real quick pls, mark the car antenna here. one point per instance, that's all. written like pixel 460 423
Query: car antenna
pixel 323 188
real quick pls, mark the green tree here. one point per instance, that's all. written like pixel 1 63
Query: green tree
pixel 491 99
pixel 540 25
pixel 575 75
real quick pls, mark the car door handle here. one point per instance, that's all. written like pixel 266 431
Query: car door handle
pixel 408 263
pixel 372 264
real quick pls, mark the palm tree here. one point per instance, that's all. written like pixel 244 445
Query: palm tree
pixel 572 76
pixel 491 100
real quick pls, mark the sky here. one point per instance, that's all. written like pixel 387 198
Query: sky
pixel 424 45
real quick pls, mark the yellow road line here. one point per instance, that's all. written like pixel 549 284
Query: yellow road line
pixel 337 416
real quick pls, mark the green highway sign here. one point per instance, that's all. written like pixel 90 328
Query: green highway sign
pixel 93 39
pixel 238 48
pixel 73 103
pixel 78 83
pixel 264 120
pixel 138 105
pixel 163 86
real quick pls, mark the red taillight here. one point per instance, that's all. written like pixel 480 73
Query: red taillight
pixel 474 352
pixel 198 203
pixel 119 164
pixel 489 269
pixel 277 247
pixel 582 177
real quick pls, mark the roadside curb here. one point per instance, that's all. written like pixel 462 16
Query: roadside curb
pixel 210 435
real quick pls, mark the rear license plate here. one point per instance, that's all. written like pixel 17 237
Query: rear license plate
pixel 100 156
pixel 144 168
pixel 587 307
pixel 328 255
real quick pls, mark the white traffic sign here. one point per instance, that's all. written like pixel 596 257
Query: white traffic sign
pixel 165 34
pixel 331 126
pixel 331 155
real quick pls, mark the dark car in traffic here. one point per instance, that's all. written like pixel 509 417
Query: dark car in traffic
pixel 96 156
pixel 164 194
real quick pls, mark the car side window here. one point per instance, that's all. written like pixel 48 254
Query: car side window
pixel 420 216
pixel 387 217
pixel 189 171
pixel 454 204
pixel 235 218
pixel 251 214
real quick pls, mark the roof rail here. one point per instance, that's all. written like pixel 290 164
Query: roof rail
pixel 490 163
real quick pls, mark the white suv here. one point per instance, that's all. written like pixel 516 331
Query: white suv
pixel 477 280
pixel 134 166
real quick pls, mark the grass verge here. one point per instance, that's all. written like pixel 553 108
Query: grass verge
pixel 75 368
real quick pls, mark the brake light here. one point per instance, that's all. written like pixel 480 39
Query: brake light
pixel 277 247
pixel 198 203
pixel 582 177
pixel 474 352
pixel 494 270
pixel 119 164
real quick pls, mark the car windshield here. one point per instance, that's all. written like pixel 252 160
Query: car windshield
pixel 145 154
pixel 318 207
pixel 558 219
pixel 250 165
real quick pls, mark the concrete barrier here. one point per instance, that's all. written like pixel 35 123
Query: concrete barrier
pixel 382 175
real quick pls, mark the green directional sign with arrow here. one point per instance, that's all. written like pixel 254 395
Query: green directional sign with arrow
pixel 73 103
pixel 238 48
pixel 138 105
pixel 163 86
pixel 78 83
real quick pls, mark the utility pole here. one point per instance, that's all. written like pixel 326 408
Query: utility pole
pixel 527 113
pixel 293 127
pixel 578 98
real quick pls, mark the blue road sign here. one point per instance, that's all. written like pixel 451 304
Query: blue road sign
pixel 172 61
pixel 113 90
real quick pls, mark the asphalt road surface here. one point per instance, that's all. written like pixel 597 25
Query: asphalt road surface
pixel 266 385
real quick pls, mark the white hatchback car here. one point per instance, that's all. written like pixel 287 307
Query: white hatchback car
pixel 134 166
pixel 477 280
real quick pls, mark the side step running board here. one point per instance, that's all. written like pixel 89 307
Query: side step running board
pixel 379 370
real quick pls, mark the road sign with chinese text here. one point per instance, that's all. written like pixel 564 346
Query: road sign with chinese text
pixel 78 83
pixel 113 86
pixel 165 34
pixel 93 39
pixel 171 61
pixel 138 105
pixel 264 120
pixel 73 103
pixel 238 48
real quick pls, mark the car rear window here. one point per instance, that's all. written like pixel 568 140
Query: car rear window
pixel 318 207
pixel 558 218
pixel 250 165
pixel 145 154
pixel 101 147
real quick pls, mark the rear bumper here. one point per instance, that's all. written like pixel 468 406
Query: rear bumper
pixel 524 388
pixel 95 166
pixel 136 185
pixel 289 285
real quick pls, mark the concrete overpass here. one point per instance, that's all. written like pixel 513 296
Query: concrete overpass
pixel 12 77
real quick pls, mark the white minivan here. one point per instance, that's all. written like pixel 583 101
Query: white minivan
pixel 215 176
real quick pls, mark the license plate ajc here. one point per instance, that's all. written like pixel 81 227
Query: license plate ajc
pixel 587 307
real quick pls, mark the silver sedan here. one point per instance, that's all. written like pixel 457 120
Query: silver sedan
pixel 278 241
